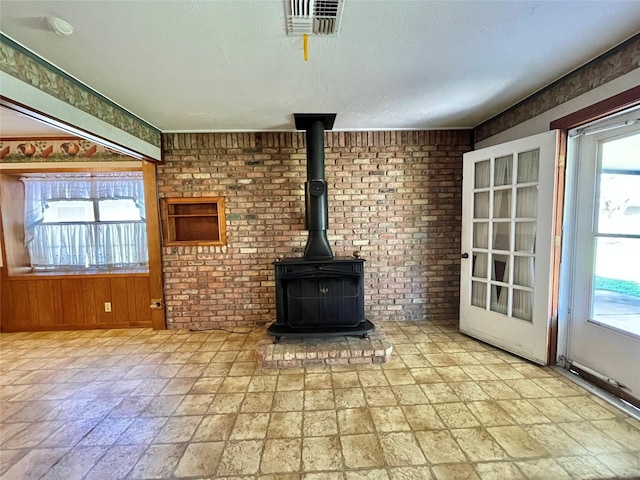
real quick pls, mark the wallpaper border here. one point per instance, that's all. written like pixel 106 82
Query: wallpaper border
pixel 613 64
pixel 21 63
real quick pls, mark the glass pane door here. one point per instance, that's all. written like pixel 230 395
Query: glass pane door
pixel 600 275
pixel 507 224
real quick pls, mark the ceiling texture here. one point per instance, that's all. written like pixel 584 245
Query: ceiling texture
pixel 195 65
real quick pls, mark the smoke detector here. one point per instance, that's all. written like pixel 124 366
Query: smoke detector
pixel 61 27
pixel 313 17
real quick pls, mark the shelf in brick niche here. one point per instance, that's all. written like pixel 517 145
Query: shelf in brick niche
pixel 193 221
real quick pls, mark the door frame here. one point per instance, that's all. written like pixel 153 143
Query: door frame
pixel 604 108
pixel 154 240
pixel 581 330
pixel 559 326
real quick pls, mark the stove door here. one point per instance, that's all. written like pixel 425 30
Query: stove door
pixel 324 301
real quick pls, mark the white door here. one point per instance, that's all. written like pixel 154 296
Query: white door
pixel 603 251
pixel 507 217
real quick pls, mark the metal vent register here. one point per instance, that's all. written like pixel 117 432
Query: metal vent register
pixel 313 17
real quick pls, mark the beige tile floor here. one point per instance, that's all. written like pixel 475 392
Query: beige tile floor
pixel 140 404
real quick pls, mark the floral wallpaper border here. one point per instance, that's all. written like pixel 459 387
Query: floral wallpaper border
pixel 22 64
pixel 36 150
pixel 609 66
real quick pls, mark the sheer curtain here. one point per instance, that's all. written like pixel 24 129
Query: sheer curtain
pixel 39 191
pixel 89 244
pixel 525 241
pixel 121 244
pixel 62 245
pixel 480 232
pixel 503 168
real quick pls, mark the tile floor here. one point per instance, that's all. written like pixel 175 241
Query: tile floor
pixel 140 404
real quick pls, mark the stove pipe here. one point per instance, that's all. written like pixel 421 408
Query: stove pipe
pixel 316 199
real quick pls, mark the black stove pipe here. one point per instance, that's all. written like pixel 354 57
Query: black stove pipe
pixel 316 198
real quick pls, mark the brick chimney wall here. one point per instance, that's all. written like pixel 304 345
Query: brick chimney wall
pixel 395 196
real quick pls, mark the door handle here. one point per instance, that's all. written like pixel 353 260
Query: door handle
pixel 464 255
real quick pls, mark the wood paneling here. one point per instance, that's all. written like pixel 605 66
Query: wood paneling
pixel 48 299
pixel 46 303
pixel 12 201
pixel 155 285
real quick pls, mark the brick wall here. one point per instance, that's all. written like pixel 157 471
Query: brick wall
pixel 395 196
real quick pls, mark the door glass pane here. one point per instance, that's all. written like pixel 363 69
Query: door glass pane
pixel 480 262
pixel 479 294
pixel 500 268
pixel 616 286
pixel 502 203
pixel 499 299
pixel 501 236
pixel 502 174
pixel 523 271
pixel 528 163
pixel 482 174
pixel 527 202
pixel 481 205
pixel 522 304
pixel 481 235
pixel 525 240
pixel 619 189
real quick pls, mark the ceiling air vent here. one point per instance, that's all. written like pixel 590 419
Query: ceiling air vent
pixel 313 17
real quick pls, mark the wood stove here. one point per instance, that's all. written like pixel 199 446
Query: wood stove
pixel 318 295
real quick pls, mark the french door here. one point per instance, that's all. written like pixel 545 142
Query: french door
pixel 601 277
pixel 507 218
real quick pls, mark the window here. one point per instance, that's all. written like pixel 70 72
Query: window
pixel 81 221
pixel 62 211
pixel 120 210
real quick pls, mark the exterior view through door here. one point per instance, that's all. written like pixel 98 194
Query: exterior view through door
pixel 507 216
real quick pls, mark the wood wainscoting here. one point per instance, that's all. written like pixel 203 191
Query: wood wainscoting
pixel 76 301
pixel 33 303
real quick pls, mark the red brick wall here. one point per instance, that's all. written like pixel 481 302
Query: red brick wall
pixel 395 196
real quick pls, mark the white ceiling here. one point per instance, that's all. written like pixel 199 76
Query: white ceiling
pixel 14 124
pixel 228 65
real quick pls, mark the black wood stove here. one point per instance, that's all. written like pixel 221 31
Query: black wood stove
pixel 318 295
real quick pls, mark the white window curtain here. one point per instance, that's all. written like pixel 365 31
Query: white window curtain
pixel 62 245
pixel 84 245
pixel 40 191
pixel 121 244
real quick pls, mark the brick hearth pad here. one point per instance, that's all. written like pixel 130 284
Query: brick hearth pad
pixel 316 352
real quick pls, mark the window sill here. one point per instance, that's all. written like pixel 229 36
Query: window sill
pixel 26 273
